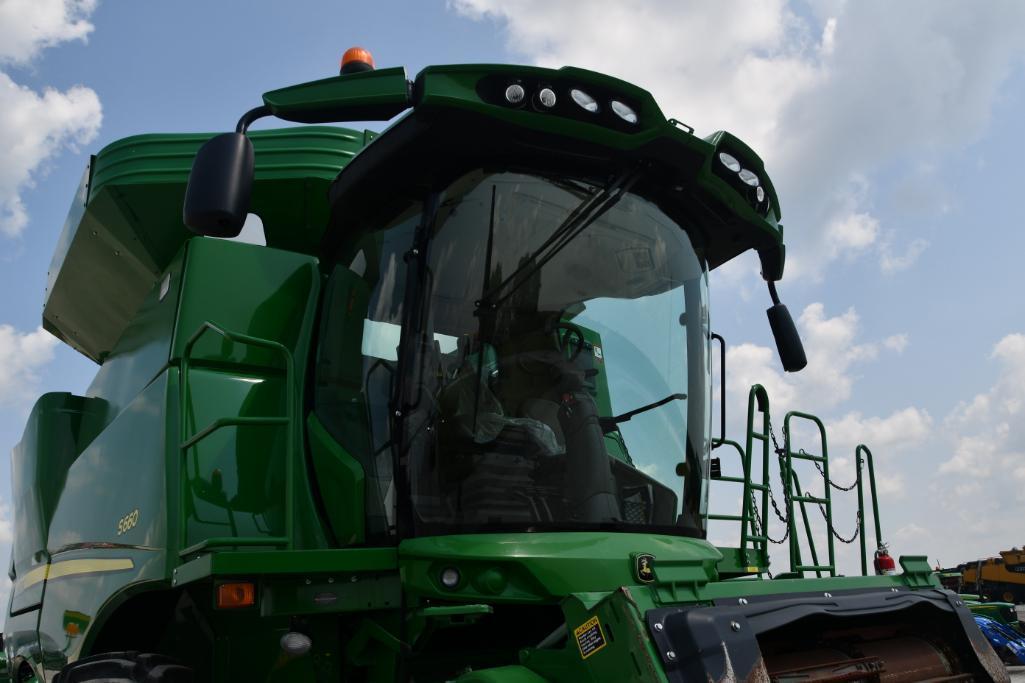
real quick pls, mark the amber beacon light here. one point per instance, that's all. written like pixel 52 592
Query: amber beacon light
pixel 356 59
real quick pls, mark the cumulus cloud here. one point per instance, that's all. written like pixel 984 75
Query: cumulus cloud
pixel 986 433
pixel 29 26
pixel 891 262
pixel 22 356
pixel 36 126
pixel 833 353
pixel 827 98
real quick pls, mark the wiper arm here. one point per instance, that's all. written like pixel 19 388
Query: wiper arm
pixel 579 219
pixel 608 424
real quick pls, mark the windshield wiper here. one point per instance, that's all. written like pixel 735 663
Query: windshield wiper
pixel 608 424
pixel 586 213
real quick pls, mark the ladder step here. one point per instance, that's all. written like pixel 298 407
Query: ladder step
pixel 729 518
pixel 760 437
pixel 815 568
pixel 760 487
pixel 810 499
pixel 737 480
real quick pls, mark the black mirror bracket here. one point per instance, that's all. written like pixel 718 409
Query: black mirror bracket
pixel 251 116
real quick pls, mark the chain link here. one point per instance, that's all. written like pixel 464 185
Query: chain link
pixel 833 483
pixel 857 527
pixel 781 454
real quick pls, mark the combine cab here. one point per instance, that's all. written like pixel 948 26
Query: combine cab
pixel 452 421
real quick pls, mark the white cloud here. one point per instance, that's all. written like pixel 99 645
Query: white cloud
pixel 833 351
pixel 22 355
pixel 36 126
pixel 890 262
pixel 851 233
pixel 893 434
pixel 826 99
pixel 29 26
pixel 987 433
pixel 896 342
pixel 6 524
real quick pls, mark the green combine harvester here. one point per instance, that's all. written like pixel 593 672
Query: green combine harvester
pixel 452 422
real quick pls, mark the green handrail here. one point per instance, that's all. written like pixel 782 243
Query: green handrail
pixel 746 517
pixel 861 452
pixel 288 422
pixel 792 483
pixel 758 401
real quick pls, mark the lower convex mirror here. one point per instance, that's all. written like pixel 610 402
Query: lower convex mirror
pixel 217 197
pixel 788 341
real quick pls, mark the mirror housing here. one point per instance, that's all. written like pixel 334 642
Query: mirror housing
pixel 220 185
pixel 788 341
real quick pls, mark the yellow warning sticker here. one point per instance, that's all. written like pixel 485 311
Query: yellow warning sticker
pixel 590 637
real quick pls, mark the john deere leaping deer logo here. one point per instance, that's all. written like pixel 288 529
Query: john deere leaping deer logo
pixel 644 567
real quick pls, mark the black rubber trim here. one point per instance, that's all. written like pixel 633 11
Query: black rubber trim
pixel 705 643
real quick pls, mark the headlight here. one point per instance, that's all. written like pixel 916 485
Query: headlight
pixel 515 93
pixel 623 111
pixel 450 577
pixel 748 177
pixel 584 100
pixel 546 96
pixel 729 161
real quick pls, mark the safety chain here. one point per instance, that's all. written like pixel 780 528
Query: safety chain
pixel 760 528
pixel 833 483
pixel 857 526
pixel 781 454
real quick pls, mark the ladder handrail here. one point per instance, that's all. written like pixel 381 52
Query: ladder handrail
pixel 862 449
pixel 747 516
pixel 790 479
pixel 292 410
pixel 758 398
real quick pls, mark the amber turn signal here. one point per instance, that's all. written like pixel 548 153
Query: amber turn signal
pixel 235 595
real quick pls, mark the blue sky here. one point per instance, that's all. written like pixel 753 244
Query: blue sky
pixel 893 135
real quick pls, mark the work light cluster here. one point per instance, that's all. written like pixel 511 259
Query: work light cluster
pixel 749 178
pixel 546 98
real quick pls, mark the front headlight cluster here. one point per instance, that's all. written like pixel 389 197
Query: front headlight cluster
pixel 747 177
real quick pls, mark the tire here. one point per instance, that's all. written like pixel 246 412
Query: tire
pixel 125 667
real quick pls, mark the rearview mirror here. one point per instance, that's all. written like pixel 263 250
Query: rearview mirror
pixel 220 185
pixel 788 341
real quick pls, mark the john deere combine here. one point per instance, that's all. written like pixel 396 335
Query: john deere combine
pixel 452 422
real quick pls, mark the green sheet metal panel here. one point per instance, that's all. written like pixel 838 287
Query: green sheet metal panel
pixel 125 224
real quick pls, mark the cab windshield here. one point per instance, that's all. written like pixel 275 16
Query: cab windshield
pixel 554 378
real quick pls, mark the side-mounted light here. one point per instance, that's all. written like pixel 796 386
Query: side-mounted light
pixel 584 101
pixel 624 111
pixel 729 161
pixel 749 177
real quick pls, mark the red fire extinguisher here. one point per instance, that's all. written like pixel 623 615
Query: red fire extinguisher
pixel 884 564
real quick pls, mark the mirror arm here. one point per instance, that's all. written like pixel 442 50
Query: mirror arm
pixel 773 293
pixel 250 116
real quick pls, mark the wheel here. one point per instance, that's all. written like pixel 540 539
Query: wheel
pixel 1008 596
pixel 125 667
